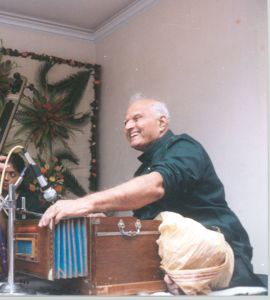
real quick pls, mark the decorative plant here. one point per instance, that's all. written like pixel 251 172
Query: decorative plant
pixel 48 117
pixel 95 71
pixel 5 79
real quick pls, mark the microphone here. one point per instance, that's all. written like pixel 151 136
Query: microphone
pixel 49 193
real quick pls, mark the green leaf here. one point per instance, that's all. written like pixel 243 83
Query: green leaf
pixel 79 84
pixel 21 130
pixel 42 75
pixel 72 184
pixel 67 155
pixel 78 121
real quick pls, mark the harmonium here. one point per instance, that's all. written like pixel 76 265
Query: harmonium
pixel 98 256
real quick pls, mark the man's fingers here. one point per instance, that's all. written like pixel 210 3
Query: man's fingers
pixel 59 210
pixel 56 212
pixel 174 291
pixel 44 221
pixel 168 279
pixel 48 215
pixel 2 160
pixel 96 215
pixel 59 215
pixel 172 287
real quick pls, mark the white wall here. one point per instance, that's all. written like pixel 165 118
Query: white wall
pixel 51 44
pixel 208 61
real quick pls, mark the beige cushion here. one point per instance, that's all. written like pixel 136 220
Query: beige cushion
pixel 196 258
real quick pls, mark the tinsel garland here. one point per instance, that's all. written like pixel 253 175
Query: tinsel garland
pixel 93 179
pixel 93 166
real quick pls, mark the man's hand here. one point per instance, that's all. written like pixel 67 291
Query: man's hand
pixel 96 215
pixel 64 208
pixel 2 162
pixel 172 287
pixel 67 208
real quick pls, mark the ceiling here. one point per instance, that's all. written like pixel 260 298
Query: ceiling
pixel 86 19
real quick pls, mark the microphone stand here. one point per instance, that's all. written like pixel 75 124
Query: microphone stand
pixel 10 287
pixel 11 218
pixel 9 203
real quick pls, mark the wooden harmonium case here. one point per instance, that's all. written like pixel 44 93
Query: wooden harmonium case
pixel 104 256
pixel 53 253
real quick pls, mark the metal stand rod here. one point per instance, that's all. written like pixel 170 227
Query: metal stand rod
pixel 10 287
pixel 11 218
pixel 23 208
pixel 25 212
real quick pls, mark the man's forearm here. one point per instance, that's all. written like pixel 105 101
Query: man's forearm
pixel 130 195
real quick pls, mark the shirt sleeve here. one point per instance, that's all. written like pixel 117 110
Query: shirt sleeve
pixel 181 166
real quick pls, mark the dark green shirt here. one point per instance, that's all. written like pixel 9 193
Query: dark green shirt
pixel 192 189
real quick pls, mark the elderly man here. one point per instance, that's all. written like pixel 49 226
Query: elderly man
pixel 176 175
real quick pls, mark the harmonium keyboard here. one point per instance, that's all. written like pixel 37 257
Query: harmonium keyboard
pixel 99 256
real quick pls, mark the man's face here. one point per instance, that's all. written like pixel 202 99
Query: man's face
pixel 142 125
pixel 11 176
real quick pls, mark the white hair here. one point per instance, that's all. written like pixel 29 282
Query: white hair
pixel 159 107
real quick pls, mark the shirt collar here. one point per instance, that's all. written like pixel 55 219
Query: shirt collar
pixel 149 152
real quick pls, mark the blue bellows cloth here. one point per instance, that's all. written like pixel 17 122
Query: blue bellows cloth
pixel 70 249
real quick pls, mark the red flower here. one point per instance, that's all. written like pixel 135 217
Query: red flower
pixel 47 106
pixel 32 187
pixel 58 188
pixel 43 170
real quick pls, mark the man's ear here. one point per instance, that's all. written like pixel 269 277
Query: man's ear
pixel 163 123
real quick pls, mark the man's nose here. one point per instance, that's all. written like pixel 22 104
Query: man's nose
pixel 129 124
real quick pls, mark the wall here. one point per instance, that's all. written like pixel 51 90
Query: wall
pixel 50 44
pixel 208 61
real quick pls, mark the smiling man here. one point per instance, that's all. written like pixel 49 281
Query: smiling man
pixel 176 175
pixel 144 126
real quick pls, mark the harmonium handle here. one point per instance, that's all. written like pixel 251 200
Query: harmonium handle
pixel 121 226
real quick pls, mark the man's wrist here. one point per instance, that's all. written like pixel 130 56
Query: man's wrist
pixel 87 203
